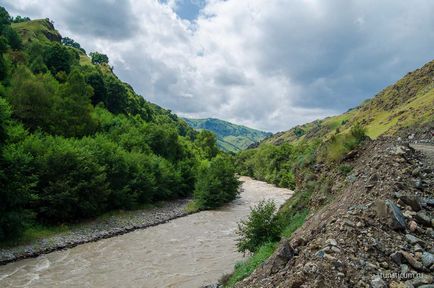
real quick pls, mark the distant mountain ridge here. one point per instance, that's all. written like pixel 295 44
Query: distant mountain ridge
pixel 230 137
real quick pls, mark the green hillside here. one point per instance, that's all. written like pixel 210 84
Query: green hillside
pixel 230 137
pixel 77 142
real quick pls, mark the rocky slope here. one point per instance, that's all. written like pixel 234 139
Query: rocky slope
pixel 376 231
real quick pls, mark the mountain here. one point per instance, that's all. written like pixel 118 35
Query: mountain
pixel 354 175
pixel 77 142
pixel 230 137
pixel 408 102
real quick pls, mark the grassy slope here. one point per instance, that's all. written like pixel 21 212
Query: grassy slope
pixel 231 137
pixel 408 102
pixel 44 32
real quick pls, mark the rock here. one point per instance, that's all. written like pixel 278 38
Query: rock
pixel 423 218
pixel 412 261
pixel 283 254
pixel 412 226
pixel 415 172
pixel 399 284
pixel 331 242
pixel 422 279
pixel 413 201
pixel 396 257
pixel 413 239
pixel 427 259
pixel 391 213
pixel 417 248
pixel 377 282
pixel 418 183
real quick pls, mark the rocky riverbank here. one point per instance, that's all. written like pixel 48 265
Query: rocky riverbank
pixel 376 232
pixel 95 230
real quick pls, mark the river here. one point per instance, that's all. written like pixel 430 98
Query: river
pixel 186 252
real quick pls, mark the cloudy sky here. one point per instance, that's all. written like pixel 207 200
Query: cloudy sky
pixel 269 64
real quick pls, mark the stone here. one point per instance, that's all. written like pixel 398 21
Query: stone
pixel 412 261
pixel 423 218
pixel 427 259
pixel 331 242
pixel 396 257
pixel 394 216
pixel 418 183
pixel 282 256
pixel 413 201
pixel 413 239
pixel 417 248
pixel 412 225
pixel 377 282
pixel 399 284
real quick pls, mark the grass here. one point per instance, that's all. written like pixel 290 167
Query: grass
pixel 34 233
pixel 296 221
pixel 192 207
pixel 245 268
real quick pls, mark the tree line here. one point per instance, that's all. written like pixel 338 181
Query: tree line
pixel 75 141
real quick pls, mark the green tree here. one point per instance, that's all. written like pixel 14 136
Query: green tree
pixel 14 181
pixel 33 99
pixel 57 58
pixel 96 80
pixel 117 95
pixel 216 183
pixel 5 18
pixel 99 58
pixel 207 142
pixel 261 226
pixel 75 108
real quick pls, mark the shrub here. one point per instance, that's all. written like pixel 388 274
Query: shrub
pixel 345 169
pixel 261 226
pixel 216 183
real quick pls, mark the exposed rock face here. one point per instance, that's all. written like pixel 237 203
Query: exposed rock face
pixel 377 231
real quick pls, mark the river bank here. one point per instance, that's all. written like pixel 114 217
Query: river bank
pixel 100 228
pixel 185 252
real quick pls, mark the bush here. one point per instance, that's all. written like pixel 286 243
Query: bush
pixel 216 183
pixel 261 226
pixel 345 169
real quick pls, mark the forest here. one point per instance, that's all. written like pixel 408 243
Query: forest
pixel 76 141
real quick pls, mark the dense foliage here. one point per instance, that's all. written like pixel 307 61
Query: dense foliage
pixel 75 141
pixel 262 226
pixel 216 184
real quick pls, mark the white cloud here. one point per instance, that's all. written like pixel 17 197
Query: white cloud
pixel 267 64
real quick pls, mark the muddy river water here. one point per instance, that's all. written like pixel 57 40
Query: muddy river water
pixel 186 252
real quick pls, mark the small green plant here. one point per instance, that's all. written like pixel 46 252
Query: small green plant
pixel 261 226
pixel 245 268
pixel 345 169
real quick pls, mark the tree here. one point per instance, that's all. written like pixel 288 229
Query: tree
pixel 216 183
pixel 117 95
pixel 207 142
pixel 99 58
pixel 14 183
pixel 5 18
pixel 57 59
pixel 71 43
pixel 96 80
pixel 33 99
pixel 261 226
pixel 12 36
pixel 75 108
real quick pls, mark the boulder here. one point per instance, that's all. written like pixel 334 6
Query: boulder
pixel 413 201
pixel 423 218
pixel 391 213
